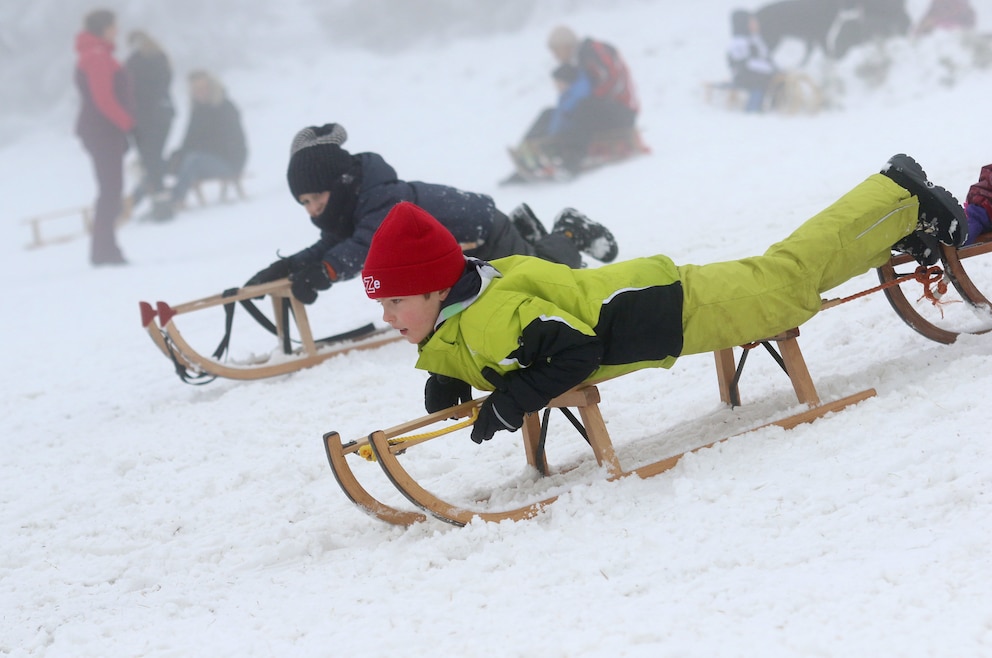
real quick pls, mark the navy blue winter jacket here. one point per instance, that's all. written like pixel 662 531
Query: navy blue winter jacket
pixel 344 241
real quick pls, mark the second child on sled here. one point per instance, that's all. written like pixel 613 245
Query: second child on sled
pixel 347 196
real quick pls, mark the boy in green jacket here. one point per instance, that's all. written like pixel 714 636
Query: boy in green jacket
pixel 529 330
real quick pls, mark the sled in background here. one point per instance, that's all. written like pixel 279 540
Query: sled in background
pixel 533 165
pixel 291 354
pixel 790 92
pixel 385 446
pixel 224 185
pixel 67 219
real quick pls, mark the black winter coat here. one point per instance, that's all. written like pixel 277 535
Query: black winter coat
pixel 216 129
pixel 344 240
pixel 151 80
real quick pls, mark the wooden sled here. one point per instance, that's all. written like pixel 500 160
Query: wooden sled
pixel 64 218
pixel 957 305
pixel 789 92
pixel 194 367
pixel 223 187
pixel 387 445
pixel 532 163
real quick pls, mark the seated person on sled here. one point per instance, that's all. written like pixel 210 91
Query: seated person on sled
pixel 596 97
pixel 529 330
pixel 347 197
pixel 750 62
pixel 978 204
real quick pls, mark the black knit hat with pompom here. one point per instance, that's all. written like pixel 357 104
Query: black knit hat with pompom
pixel 316 159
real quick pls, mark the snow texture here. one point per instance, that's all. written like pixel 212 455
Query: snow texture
pixel 144 517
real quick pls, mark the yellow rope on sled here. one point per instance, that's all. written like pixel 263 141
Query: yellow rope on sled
pixel 368 454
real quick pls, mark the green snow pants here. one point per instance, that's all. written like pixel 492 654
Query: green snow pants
pixel 738 302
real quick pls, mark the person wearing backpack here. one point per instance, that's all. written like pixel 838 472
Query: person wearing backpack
pixel 610 103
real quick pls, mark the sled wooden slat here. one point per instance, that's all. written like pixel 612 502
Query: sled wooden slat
pixel 302 326
pixel 586 399
pixel 214 367
pixel 788 423
pixel 795 367
pixel 36 222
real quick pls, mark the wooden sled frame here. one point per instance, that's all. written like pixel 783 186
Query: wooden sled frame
pixel 37 222
pixel 167 337
pixel 585 399
pixel 223 185
pixel 789 92
pixel 955 273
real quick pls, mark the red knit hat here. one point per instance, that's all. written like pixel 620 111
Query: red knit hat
pixel 411 254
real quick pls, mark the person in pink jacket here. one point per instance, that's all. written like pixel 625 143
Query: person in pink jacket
pixel 103 125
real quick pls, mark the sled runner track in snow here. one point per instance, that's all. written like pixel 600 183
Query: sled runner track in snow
pixel 386 446
pixel 195 368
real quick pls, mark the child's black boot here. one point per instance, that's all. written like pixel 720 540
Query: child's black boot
pixel 589 237
pixel 941 215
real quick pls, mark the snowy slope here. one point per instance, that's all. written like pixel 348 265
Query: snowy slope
pixel 144 517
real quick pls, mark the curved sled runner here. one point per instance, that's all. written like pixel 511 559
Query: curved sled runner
pixel 952 302
pixel 386 446
pixel 194 367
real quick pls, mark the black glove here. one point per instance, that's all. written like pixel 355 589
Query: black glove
pixel 441 392
pixel 498 412
pixel 277 270
pixel 307 278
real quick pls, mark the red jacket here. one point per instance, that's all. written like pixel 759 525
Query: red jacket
pixel 608 73
pixel 981 192
pixel 105 89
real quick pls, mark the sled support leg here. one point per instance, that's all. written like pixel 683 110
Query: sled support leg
pixel 586 400
pixel 728 372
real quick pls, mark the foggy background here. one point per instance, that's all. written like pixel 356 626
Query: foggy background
pixel 37 53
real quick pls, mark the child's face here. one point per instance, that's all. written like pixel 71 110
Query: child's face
pixel 413 316
pixel 315 202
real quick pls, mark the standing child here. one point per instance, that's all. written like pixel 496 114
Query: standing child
pixel 529 330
